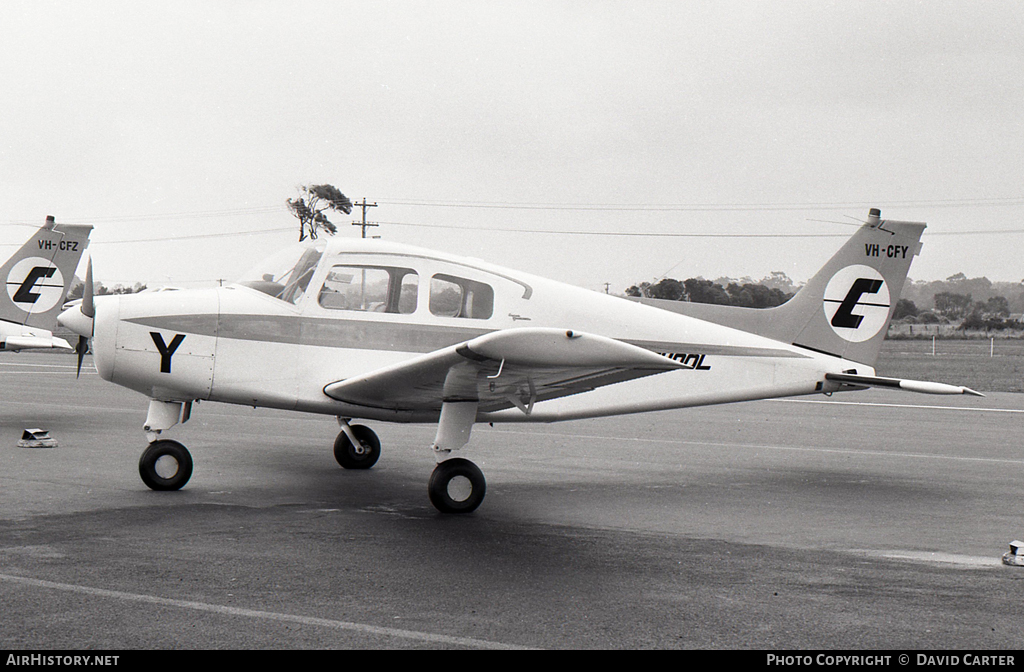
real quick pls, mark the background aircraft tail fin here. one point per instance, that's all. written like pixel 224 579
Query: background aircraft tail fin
pixel 38 276
pixel 845 309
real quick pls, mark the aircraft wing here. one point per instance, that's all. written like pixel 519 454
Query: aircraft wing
pixel 502 369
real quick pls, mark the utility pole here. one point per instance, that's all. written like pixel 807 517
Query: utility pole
pixel 364 205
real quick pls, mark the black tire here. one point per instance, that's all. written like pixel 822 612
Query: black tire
pixel 346 455
pixel 165 465
pixel 456 486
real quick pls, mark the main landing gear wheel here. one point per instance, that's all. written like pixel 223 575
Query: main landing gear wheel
pixel 362 456
pixel 456 486
pixel 165 465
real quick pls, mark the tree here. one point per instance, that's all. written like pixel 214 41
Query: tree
pixel 311 204
pixel 667 288
pixel 781 281
pixel 752 295
pixel 699 290
pixel 905 308
pixel 639 290
pixel 953 306
pixel 997 306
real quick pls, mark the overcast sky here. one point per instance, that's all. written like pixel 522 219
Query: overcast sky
pixel 523 133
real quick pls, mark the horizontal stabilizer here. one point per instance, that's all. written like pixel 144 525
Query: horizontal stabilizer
pixel 30 342
pixel 923 386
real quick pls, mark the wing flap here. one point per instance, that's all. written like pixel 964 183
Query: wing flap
pixel 502 369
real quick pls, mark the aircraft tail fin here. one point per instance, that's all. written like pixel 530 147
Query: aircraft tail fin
pixel 845 309
pixel 38 276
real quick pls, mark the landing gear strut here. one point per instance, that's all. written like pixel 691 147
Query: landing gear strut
pixel 165 464
pixel 456 485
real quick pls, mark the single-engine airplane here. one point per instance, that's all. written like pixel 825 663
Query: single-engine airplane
pixel 38 277
pixel 380 331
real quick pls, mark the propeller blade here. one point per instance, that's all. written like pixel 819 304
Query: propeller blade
pixel 88 309
pixel 81 317
pixel 81 349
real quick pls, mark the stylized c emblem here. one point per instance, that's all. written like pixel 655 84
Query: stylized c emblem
pixel 35 284
pixel 856 303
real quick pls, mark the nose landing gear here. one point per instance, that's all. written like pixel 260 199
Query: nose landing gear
pixel 165 465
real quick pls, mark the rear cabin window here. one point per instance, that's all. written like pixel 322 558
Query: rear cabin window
pixel 451 296
pixel 377 289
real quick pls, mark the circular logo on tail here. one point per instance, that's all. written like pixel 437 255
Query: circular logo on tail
pixel 35 285
pixel 857 303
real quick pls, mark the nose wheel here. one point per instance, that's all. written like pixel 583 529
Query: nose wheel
pixel 165 465
pixel 456 486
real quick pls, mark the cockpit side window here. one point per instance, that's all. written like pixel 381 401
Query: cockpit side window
pixel 285 275
pixel 379 289
pixel 452 296
pixel 298 279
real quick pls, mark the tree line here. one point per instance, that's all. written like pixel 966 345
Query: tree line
pixel 770 291
pixel 99 289
pixel 968 303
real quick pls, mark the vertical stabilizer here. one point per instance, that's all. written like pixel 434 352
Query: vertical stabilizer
pixel 845 309
pixel 38 276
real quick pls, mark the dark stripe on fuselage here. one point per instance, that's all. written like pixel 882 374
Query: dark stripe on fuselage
pixel 384 334
pixel 321 332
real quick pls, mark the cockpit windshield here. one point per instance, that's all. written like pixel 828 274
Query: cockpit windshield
pixel 285 275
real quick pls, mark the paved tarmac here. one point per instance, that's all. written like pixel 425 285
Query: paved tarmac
pixel 872 520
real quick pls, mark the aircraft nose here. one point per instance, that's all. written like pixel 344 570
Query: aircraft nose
pixel 74 319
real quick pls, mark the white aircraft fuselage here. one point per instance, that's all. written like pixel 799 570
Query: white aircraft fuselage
pixel 239 345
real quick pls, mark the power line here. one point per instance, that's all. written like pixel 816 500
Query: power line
pixel 195 236
pixel 635 234
pixel 649 234
pixel 695 207
pixel 630 234
pixel 612 207
pixel 709 207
